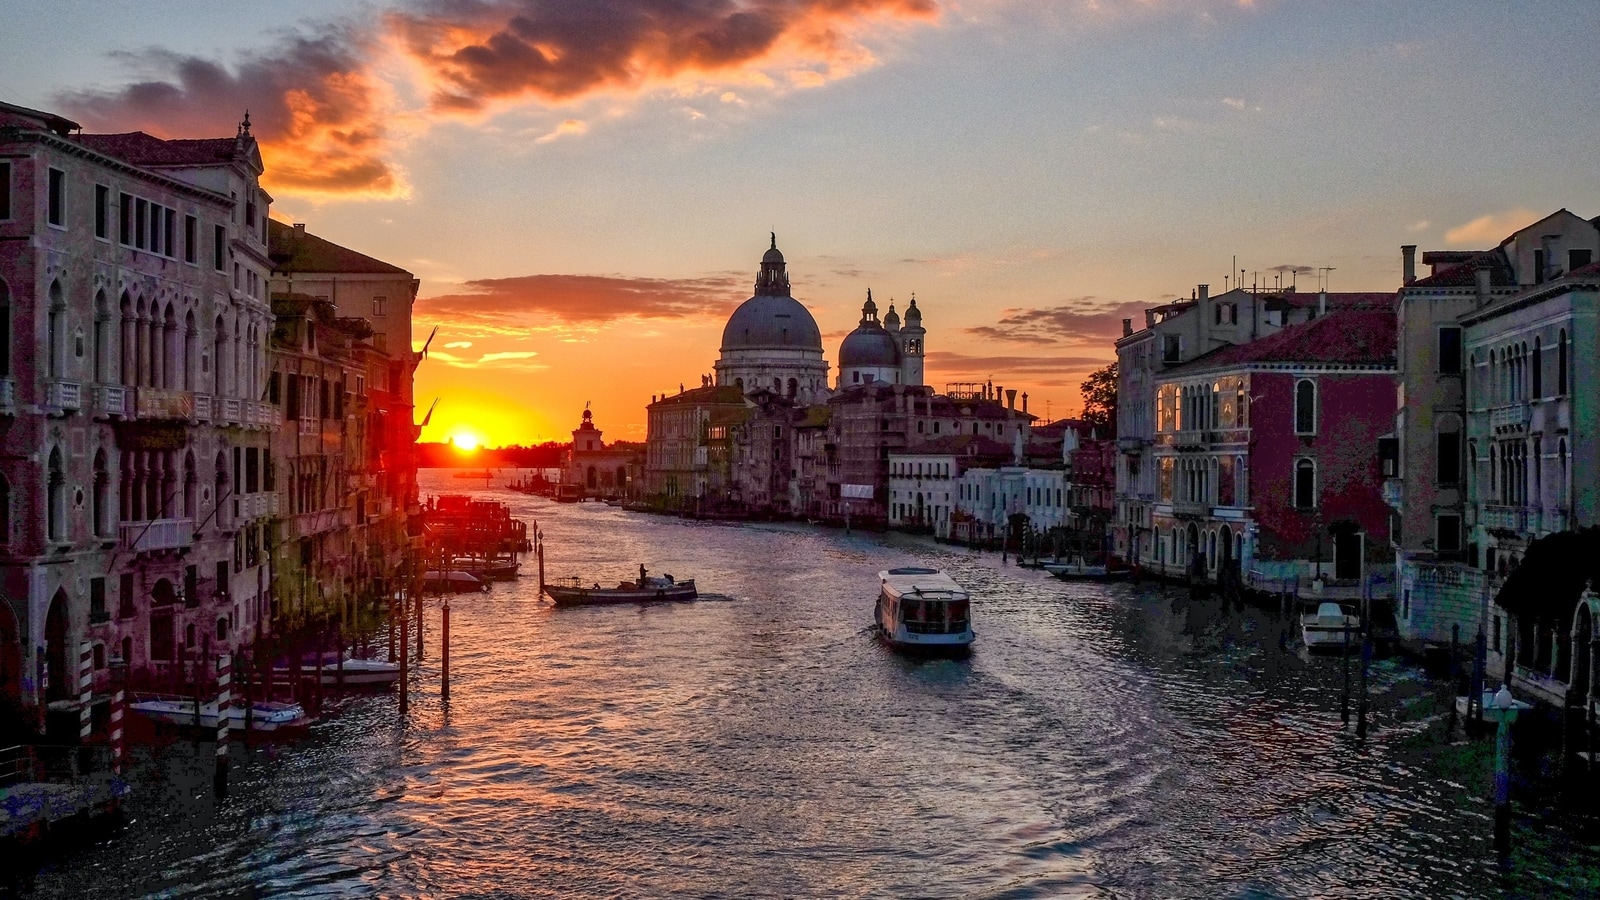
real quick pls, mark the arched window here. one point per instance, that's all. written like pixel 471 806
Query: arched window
pixel 171 350
pixel 5 511
pixel 191 344
pixel 126 354
pixel 219 352
pixel 1305 484
pixel 1561 364
pixel 100 496
pixel 55 362
pixel 102 335
pixel 1305 406
pixel 56 498
pixel 1561 462
pixel 1538 369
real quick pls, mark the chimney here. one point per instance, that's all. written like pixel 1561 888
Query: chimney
pixel 1024 402
pixel 1011 400
pixel 1149 318
pixel 299 231
pixel 1322 303
pixel 1483 273
pixel 1127 327
pixel 1408 261
pixel 1205 292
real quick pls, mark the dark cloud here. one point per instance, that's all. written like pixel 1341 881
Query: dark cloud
pixel 1081 320
pixel 589 299
pixel 312 102
pixel 477 51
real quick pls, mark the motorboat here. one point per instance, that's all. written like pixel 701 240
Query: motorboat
pixel 490 569
pixel 650 589
pixel 453 582
pixel 1325 629
pixel 1085 571
pixel 358 672
pixel 924 611
pixel 262 715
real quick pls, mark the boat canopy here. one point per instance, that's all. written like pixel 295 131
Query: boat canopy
pixel 926 584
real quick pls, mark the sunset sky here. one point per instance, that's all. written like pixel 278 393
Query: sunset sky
pixel 585 188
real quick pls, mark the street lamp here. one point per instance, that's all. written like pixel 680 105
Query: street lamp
pixel 1503 709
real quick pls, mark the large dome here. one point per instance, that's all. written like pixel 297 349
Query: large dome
pixel 869 346
pixel 771 322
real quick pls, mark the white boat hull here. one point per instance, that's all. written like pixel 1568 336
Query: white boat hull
pixel 357 673
pixel 924 612
pixel 265 715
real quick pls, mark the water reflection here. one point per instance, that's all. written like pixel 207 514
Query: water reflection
pixel 1121 741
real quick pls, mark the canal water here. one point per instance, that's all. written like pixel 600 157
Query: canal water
pixel 1100 742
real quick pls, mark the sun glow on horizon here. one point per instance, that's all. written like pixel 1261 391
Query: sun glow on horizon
pixel 465 441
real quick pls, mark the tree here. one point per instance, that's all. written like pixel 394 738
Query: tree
pixel 1100 400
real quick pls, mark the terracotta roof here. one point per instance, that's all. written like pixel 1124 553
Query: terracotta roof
pixel 1336 300
pixel 148 150
pixel 705 395
pixel 9 112
pixel 1464 274
pixel 1352 336
pixel 297 250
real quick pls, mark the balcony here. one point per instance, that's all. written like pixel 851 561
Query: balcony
pixel 8 397
pixel 255 506
pixel 158 534
pixel 232 411
pixel 1507 518
pixel 262 415
pixel 156 403
pixel 202 407
pixel 1508 418
pixel 63 396
pixel 111 400
pixel 1190 509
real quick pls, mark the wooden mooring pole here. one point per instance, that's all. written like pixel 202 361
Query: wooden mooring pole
pixel 389 621
pixel 419 628
pixel 405 647
pixel 538 548
pixel 1455 648
pixel 85 690
pixel 444 651
pixel 1366 659
pixel 1344 710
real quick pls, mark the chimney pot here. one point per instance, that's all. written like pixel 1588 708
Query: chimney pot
pixel 299 230
pixel 1127 327
pixel 1322 303
pixel 1205 292
pixel 1024 402
pixel 1408 259
pixel 1011 400
pixel 1482 272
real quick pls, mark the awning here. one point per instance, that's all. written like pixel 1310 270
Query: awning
pixel 1554 571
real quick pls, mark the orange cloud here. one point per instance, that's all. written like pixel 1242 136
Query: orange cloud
pixel 586 299
pixel 321 107
pixel 477 52
pixel 1490 230
pixel 1080 321
pixel 316 109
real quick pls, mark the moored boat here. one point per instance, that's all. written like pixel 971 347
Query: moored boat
pixel 437 582
pixel 262 715
pixel 1326 628
pixel 651 589
pixel 489 570
pixel 924 611
pixel 1085 571
pixel 358 672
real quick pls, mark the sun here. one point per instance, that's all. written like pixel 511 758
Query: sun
pixel 465 441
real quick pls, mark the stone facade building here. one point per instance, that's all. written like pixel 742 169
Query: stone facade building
pixel 134 474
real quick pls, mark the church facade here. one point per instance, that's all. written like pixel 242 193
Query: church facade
pixel 772 342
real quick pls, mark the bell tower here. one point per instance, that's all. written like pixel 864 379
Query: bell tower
pixel 911 345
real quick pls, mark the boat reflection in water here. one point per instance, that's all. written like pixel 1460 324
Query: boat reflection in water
pixel 924 611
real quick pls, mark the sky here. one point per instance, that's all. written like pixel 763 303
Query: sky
pixel 585 189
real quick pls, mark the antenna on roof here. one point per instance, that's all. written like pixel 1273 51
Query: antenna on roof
pixel 1325 278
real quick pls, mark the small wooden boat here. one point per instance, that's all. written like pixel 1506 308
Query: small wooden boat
pixel 263 715
pixel 358 672
pixel 489 570
pixel 437 582
pixel 652 589
pixel 1325 629
pixel 924 611
pixel 1084 571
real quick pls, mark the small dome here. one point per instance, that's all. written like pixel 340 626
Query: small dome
pixel 891 320
pixel 773 255
pixel 912 313
pixel 869 346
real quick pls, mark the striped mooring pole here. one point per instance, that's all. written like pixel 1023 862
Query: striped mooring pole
pixel 118 701
pixel 85 690
pixel 224 706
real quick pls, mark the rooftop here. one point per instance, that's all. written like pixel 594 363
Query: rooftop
pixel 704 395
pixel 143 149
pixel 293 249
pixel 1345 337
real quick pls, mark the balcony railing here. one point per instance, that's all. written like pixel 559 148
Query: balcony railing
pixel 262 414
pixel 64 396
pixel 202 407
pixel 232 410
pixel 157 403
pixel 158 534
pixel 1505 417
pixel 111 400
pixel 1513 518
pixel 1190 508
pixel 256 506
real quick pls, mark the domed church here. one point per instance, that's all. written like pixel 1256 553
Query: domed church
pixel 771 341
pixel 883 351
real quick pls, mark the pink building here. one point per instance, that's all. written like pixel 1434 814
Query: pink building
pixel 1266 456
